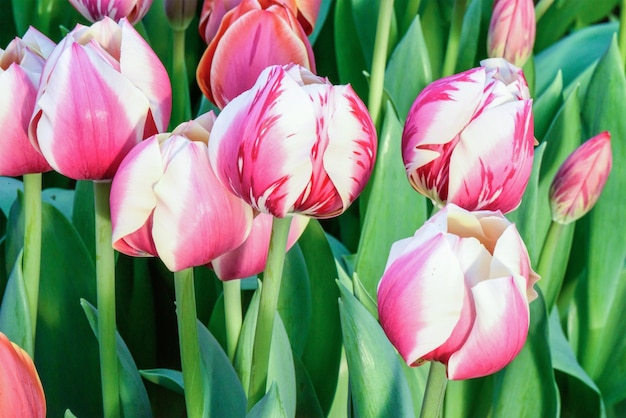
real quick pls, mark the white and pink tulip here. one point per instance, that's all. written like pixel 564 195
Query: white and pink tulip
pixel 512 31
pixel 95 10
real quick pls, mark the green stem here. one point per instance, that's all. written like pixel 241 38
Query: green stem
pixel 32 247
pixel 622 31
pixel 454 38
pixel 541 7
pixel 412 9
pixel 550 265
pixel 379 60
pixel 232 312
pixel 267 309
pixel 105 278
pixel 181 107
pixel 189 343
pixel 435 391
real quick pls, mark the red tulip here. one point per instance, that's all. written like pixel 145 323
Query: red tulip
pixel 167 202
pixel 512 31
pixel 580 179
pixel 21 65
pixel 468 138
pixel 295 143
pixel 102 91
pixel 252 36
pixel 94 10
pixel 457 292
pixel 21 393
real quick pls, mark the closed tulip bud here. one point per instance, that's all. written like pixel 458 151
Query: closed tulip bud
pixel 580 179
pixel 167 202
pixel 250 257
pixel 263 33
pixel 512 31
pixel 468 138
pixel 94 10
pixel 180 12
pixel 102 91
pixel 21 393
pixel 457 292
pixel 295 143
pixel 21 65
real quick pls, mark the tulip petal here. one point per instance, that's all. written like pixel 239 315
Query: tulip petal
pixel 499 331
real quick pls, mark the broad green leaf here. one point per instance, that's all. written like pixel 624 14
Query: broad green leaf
pixel 321 19
pixel 69 414
pixel 416 378
pixel 411 54
pixel 322 351
pixel 8 193
pixel 270 406
pixel 341 400
pixel 348 53
pixel 62 199
pixel 470 32
pixel 361 294
pixel 365 13
pixel 217 323
pixel 170 379
pixel 15 320
pixel 377 381
pixel 307 403
pixel 83 217
pixel 133 395
pixel 558 18
pixel 435 29
pixel 547 105
pixel 591 11
pixel 469 398
pixel 394 210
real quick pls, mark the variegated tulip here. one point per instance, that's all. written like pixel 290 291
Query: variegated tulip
pixel 262 33
pixel 295 143
pixel 580 179
pixel 213 12
pixel 468 138
pixel 512 31
pixel 102 91
pixel 20 69
pixel 21 393
pixel 167 202
pixel 250 257
pixel 457 292
pixel 94 10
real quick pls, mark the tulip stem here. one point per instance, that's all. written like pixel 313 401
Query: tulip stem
pixel 32 248
pixel 435 391
pixel 189 343
pixel 105 278
pixel 233 315
pixel 454 38
pixel 181 107
pixel 379 62
pixel 552 261
pixel 267 309
pixel 622 31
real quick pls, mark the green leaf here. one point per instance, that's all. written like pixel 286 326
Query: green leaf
pixel 170 379
pixel 591 11
pixel 547 105
pixel 8 193
pixel 308 405
pixel 350 60
pixel 377 381
pixel 321 19
pixel 62 199
pixel 83 215
pixel 435 29
pixel 392 199
pixel 270 406
pixel 365 14
pixel 69 414
pixel 470 32
pixel 15 320
pixel 558 18
pixel 133 395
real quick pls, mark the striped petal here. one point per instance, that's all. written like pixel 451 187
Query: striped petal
pixel 94 10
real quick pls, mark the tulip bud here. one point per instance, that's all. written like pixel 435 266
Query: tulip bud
pixel 21 65
pixel 21 393
pixel 457 292
pixel 577 184
pixel 318 139
pixel 468 138
pixel 95 10
pixel 167 202
pixel 512 31
pixel 180 12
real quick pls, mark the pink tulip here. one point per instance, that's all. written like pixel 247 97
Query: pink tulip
pixel 20 69
pixel 21 393
pixel 213 12
pixel 512 31
pixel 167 202
pixel 250 257
pixel 457 292
pixel 580 179
pixel 94 10
pixel 468 138
pixel 262 33
pixel 295 143
pixel 102 91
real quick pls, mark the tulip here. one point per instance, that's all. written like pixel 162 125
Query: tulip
pixel 102 91
pixel 21 393
pixel 468 138
pixel 262 33
pixel 94 10
pixel 318 139
pixel 580 179
pixel 21 65
pixel 213 12
pixel 457 292
pixel 167 202
pixel 512 31
pixel 250 257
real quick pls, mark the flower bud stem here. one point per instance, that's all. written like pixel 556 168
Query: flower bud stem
pixel 267 309
pixel 379 61
pixel 233 315
pixel 454 38
pixel 435 390
pixel 181 107
pixel 32 248
pixel 105 282
pixel 189 343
